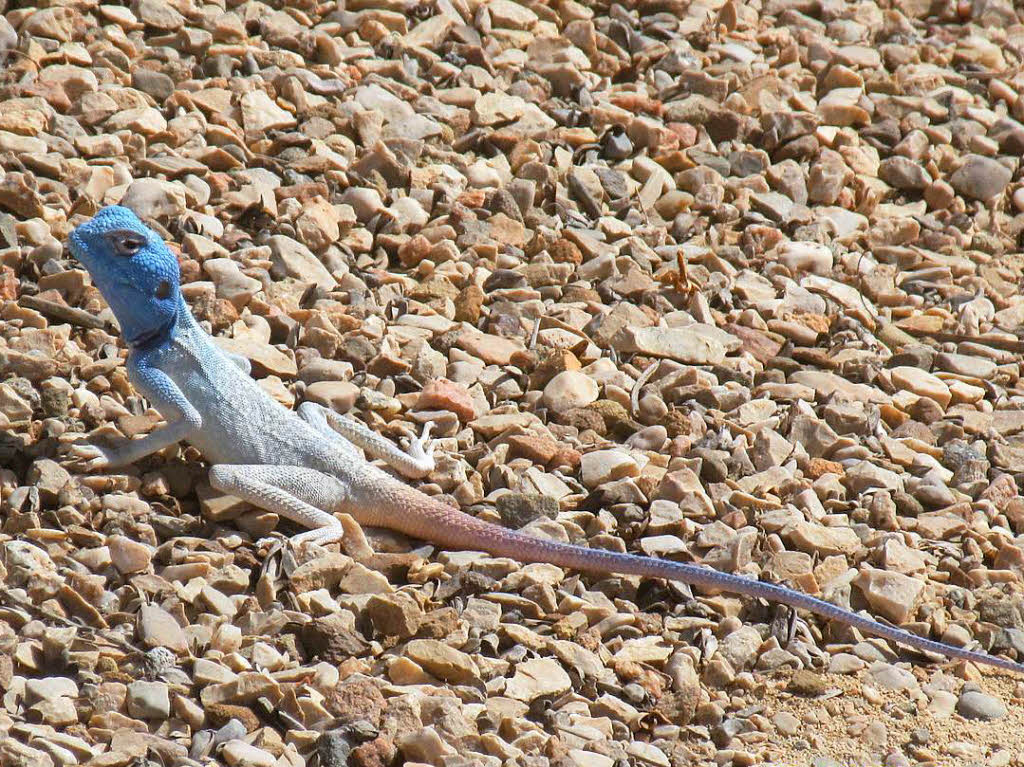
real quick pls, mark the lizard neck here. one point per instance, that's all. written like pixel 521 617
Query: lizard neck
pixel 163 334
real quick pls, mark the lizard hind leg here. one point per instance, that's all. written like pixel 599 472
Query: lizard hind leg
pixel 304 496
pixel 415 462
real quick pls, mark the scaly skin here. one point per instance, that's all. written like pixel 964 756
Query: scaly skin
pixel 307 465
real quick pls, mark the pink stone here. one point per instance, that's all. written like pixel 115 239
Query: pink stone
pixel 442 394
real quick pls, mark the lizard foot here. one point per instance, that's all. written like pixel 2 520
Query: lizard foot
pixel 284 554
pixel 85 457
pixel 276 544
pixel 420 450
pixel 275 556
pixel 272 543
pixel 275 552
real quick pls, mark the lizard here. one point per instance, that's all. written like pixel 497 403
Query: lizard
pixel 307 465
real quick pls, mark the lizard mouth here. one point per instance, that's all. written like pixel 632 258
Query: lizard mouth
pixel 75 245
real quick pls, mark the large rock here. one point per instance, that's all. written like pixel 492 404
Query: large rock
pixel 443 661
pixel 697 344
pixel 155 199
pixel 891 595
pixel 536 678
pixel 570 389
pixel 260 114
pixel 980 178
pixel 298 261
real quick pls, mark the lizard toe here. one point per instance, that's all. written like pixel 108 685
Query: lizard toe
pixel 420 451
pixel 86 457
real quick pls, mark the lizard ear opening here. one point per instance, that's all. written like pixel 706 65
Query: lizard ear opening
pixel 163 290
pixel 126 243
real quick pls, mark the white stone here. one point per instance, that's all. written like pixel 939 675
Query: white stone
pixel 805 257
pixel 149 700
pixel 260 113
pixel 696 344
pixel 129 556
pixel 891 595
pixel 536 678
pixel 569 389
pixel 365 202
pixel 49 688
pixel 153 198
pixel 238 753
pixel 602 466
pixel 921 383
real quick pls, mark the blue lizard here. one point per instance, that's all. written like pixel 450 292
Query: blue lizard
pixel 307 465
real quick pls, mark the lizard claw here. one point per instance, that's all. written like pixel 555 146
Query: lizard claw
pixel 272 543
pixel 86 457
pixel 275 546
pixel 421 451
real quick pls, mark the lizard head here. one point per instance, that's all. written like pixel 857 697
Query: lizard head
pixel 134 270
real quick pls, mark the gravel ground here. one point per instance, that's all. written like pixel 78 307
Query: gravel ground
pixel 729 282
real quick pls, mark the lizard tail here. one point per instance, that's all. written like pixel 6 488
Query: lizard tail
pixel 423 517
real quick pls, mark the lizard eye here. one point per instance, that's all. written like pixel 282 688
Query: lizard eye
pixel 126 244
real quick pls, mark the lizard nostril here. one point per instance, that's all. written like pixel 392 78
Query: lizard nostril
pixel 163 290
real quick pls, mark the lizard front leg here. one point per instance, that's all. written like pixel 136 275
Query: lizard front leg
pixel 417 461
pixel 294 492
pixel 183 420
